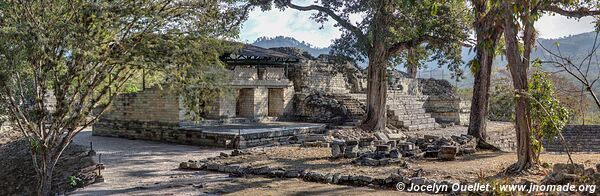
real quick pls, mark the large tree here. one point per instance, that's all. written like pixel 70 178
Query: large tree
pixel 519 36
pixel 488 29
pixel 82 52
pixel 387 29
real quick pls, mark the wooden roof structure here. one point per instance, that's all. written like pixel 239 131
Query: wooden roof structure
pixel 254 55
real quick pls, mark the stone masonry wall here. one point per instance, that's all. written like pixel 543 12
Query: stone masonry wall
pixel 150 105
pixel 448 110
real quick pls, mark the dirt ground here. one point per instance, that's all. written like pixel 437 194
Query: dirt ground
pixel 137 167
pixel 464 168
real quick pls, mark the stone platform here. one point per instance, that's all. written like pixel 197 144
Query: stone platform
pixel 242 135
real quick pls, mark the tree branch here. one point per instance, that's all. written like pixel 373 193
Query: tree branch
pixel 579 13
pixel 342 22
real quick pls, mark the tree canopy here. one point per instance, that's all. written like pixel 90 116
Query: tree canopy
pixel 80 52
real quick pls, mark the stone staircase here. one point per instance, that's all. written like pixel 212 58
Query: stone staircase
pixel 356 106
pixel 579 138
pixel 403 111
pixel 407 112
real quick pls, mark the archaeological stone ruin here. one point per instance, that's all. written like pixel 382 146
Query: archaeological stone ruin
pixel 280 93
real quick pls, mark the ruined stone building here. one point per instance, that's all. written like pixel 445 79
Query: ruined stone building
pixel 282 84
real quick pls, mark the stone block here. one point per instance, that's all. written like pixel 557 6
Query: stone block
pixel 447 153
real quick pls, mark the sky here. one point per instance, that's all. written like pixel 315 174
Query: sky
pixel 297 24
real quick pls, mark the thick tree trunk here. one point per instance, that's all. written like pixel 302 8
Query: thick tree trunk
pixel 479 102
pixel 376 116
pixel 524 151
pixel 376 94
pixel 487 39
pixel 518 65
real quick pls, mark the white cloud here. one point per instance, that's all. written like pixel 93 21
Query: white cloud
pixel 291 23
pixel 560 26
pixel 297 24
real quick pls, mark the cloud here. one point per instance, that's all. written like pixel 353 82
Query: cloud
pixel 297 24
pixel 559 26
pixel 291 23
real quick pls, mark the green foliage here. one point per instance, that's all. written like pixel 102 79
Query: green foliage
pixel 548 116
pixel 83 53
pixel 72 180
pixel 502 102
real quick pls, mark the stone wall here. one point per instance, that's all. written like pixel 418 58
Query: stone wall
pixel 448 110
pixel 173 133
pixel 578 138
pixel 327 74
pixel 150 105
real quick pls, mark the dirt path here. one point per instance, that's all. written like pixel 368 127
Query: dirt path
pixel 137 167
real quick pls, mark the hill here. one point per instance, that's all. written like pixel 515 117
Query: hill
pixel 281 41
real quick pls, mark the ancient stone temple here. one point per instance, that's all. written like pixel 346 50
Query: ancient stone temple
pixel 277 96
pixel 260 85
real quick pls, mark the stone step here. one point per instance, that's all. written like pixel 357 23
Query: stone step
pixel 410 116
pixel 408 112
pixel 406 123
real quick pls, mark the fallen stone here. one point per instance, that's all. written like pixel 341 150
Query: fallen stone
pixel 352 142
pixel 418 181
pixel 382 137
pixel 224 155
pixel 392 144
pixel 396 136
pixel 292 174
pixel 365 179
pixel 447 153
pixel 329 178
pixel 395 154
pixel 431 154
pixel 383 148
pixel 184 165
pixel 338 142
pixel 370 162
pixel 195 165
pixel 335 151
pixel 568 168
pixel 336 178
pixel 468 150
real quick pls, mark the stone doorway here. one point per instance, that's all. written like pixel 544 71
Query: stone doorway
pixel 275 102
pixel 245 103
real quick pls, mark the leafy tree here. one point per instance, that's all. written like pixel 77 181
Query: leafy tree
pixel 387 29
pixel 519 35
pixel 548 116
pixel 82 52
pixel 488 30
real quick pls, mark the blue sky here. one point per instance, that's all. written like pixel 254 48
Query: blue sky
pixel 298 24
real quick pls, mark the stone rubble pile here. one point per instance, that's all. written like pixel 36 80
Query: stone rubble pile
pixel 564 173
pixel 311 176
pixel 377 151
pixel 445 148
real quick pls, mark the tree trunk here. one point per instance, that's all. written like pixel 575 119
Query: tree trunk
pixel 479 102
pixel 376 90
pixel 411 66
pixel 46 169
pixel 518 65
pixel 487 39
pixel 376 117
pixel 376 95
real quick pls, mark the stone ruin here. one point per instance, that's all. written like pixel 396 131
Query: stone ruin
pixel 282 84
pixel 371 151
